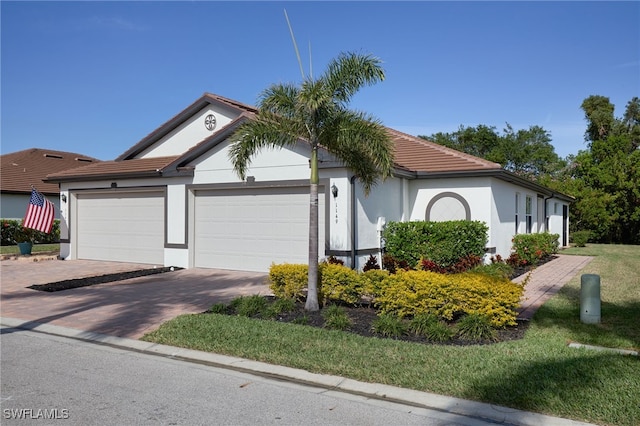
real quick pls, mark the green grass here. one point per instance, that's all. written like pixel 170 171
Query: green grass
pixel 538 373
pixel 37 248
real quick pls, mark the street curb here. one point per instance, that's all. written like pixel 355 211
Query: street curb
pixel 471 409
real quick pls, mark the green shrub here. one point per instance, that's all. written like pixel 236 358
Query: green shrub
pixel 335 318
pixel 12 233
pixel 420 323
pixel 580 238
pixel 439 331
pixel 443 243
pixel 278 307
pixel 388 325
pixel 530 249
pixel 476 327
pixel 249 306
pixel 218 308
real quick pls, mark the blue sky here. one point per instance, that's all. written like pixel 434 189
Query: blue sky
pixel 96 77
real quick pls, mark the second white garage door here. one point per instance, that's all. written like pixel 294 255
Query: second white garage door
pixel 249 229
pixel 123 227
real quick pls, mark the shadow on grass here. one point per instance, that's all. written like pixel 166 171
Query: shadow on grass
pixel 619 322
pixel 594 386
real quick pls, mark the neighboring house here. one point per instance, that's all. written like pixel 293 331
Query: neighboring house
pixel 174 199
pixel 21 170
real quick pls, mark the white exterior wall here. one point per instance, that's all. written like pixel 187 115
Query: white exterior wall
pixel 556 223
pixel 268 165
pixel 384 201
pixel 189 133
pixel 503 215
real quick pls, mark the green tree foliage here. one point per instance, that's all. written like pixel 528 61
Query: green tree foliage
pixel 605 179
pixel 316 112
pixel 526 152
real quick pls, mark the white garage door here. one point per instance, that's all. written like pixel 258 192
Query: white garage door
pixel 125 227
pixel 249 229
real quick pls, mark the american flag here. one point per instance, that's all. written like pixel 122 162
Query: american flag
pixel 40 213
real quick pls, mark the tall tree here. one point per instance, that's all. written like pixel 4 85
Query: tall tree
pixel 631 121
pixel 605 179
pixel 527 152
pixel 598 111
pixel 316 111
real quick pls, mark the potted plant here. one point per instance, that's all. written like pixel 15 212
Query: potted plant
pixel 24 238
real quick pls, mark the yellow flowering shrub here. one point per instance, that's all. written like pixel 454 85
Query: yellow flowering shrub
pixel 288 281
pixel 410 293
pixel 340 283
pixel 372 282
pixel 406 293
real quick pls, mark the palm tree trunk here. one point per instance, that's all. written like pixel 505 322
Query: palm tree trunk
pixel 312 285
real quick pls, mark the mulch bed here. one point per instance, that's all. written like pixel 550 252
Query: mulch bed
pixel 363 316
pixel 100 279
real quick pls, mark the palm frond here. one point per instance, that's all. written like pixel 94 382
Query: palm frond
pixel 349 72
pixel 268 130
pixel 280 99
pixel 362 143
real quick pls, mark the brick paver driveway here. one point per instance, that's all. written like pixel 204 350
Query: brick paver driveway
pixel 126 308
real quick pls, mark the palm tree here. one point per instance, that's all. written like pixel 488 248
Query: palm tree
pixel 316 112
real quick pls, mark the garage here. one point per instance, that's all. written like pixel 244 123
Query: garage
pixel 251 228
pixel 121 226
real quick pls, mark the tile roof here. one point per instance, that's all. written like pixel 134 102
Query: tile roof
pixel 420 155
pixel 19 170
pixel 139 167
pixel 412 154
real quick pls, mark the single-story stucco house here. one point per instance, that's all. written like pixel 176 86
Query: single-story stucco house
pixel 173 199
pixel 21 170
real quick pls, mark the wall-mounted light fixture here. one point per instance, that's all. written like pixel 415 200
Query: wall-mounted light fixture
pixel 114 184
pixel 334 190
pixel 63 198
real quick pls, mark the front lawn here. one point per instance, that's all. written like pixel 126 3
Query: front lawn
pixel 537 373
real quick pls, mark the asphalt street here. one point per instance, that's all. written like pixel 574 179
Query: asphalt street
pixel 48 379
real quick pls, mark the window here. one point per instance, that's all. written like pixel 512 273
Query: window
pixel 517 210
pixel 528 215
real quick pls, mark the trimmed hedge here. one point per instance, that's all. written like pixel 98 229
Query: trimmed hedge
pixel 411 293
pixel 12 232
pixel 443 243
